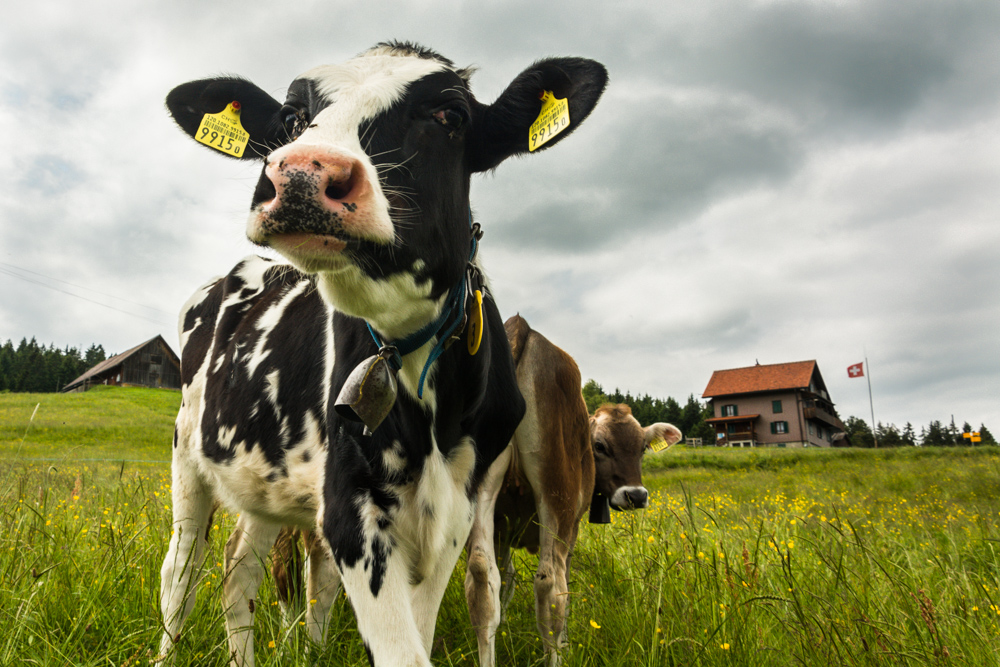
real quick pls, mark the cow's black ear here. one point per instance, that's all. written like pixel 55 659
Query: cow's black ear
pixel 502 128
pixel 189 102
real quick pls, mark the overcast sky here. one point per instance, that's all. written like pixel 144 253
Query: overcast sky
pixel 762 181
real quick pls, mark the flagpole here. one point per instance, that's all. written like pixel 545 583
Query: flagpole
pixel 871 403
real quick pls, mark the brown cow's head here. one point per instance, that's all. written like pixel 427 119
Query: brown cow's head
pixel 619 443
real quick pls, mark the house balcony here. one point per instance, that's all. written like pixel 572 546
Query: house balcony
pixel 735 428
pixel 819 414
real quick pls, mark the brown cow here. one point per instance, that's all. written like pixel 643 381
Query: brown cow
pixel 536 493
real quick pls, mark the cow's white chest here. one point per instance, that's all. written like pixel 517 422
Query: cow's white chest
pixel 434 515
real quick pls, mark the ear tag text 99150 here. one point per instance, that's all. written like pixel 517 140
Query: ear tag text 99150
pixel 658 445
pixel 552 119
pixel 370 390
pixel 223 131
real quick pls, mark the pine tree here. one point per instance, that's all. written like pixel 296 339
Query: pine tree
pixel 936 435
pixel 95 355
pixel 888 435
pixel 6 366
pixel 859 432
pixel 909 437
pixel 593 396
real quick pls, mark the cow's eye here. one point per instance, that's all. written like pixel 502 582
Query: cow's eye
pixel 600 448
pixel 293 120
pixel 452 118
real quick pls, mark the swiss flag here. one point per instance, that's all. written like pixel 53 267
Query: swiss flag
pixel 857 370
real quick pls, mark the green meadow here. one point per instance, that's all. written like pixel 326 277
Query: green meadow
pixel 103 423
pixel 767 557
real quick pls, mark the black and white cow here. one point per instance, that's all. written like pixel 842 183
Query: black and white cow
pixel 365 191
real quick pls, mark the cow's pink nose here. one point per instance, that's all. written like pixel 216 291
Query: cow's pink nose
pixel 334 181
pixel 338 178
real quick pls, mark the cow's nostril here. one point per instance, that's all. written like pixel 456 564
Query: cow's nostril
pixel 337 190
pixel 638 497
pixel 264 191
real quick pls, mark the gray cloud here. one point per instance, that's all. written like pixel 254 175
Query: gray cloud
pixel 772 180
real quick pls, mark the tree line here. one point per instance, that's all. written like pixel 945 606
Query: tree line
pixel 689 418
pixel 36 368
pixel 935 434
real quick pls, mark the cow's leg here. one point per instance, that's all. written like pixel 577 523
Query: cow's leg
pixel 322 585
pixel 557 534
pixel 427 595
pixel 508 577
pixel 381 596
pixel 482 576
pixel 287 568
pixel 246 550
pixel 192 511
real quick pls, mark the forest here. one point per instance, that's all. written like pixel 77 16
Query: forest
pixel 36 368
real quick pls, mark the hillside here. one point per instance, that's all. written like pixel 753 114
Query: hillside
pixel 103 423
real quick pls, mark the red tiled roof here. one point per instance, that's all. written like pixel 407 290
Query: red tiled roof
pixel 766 377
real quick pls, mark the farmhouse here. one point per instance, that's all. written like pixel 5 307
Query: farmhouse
pixel 149 364
pixel 780 405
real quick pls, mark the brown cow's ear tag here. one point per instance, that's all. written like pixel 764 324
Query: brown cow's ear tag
pixel 658 445
pixel 223 131
pixel 553 119
pixel 476 324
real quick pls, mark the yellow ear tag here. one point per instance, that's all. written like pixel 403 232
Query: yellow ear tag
pixel 553 119
pixel 476 324
pixel 223 131
pixel 658 445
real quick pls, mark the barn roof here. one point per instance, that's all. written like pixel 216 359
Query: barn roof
pixel 762 377
pixel 117 360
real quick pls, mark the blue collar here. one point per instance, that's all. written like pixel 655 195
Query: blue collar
pixel 452 315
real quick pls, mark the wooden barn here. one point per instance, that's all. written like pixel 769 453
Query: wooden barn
pixel 151 364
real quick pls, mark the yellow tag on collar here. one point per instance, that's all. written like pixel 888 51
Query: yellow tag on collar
pixel 223 131
pixel 476 324
pixel 658 445
pixel 553 119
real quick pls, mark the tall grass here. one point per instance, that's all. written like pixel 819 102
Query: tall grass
pixel 743 558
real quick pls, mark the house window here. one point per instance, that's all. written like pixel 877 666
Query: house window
pixel 731 429
pixel 776 407
pixel 779 428
pixel 729 411
pixel 812 429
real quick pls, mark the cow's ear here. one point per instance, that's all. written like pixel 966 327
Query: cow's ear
pixel 662 431
pixel 501 129
pixel 189 102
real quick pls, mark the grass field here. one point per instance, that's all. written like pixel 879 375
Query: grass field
pixel 777 557
pixel 103 423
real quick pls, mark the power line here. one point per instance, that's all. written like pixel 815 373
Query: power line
pixel 89 289
pixel 56 289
